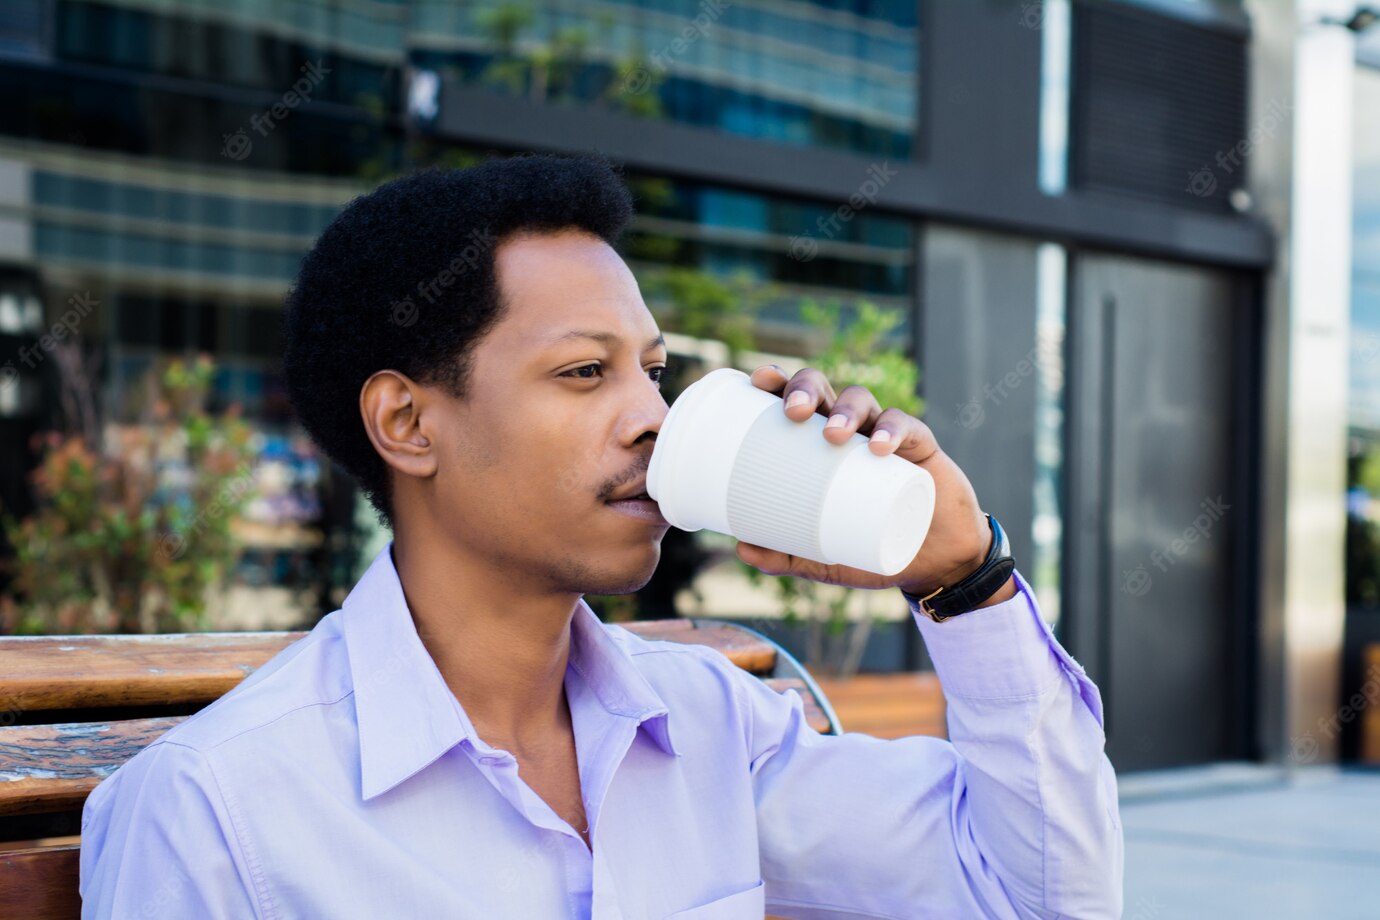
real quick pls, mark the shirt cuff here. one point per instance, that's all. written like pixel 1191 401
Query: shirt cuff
pixel 1006 651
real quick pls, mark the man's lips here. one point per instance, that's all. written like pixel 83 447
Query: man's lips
pixel 643 509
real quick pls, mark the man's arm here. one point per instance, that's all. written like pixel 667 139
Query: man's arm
pixel 158 842
pixel 1015 816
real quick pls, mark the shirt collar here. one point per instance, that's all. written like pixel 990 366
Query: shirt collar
pixel 408 716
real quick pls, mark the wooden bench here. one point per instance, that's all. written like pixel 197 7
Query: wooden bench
pixel 74 708
pixel 1370 715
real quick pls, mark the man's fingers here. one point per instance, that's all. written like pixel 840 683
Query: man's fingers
pixel 904 435
pixel 809 391
pixel 769 377
pixel 773 562
pixel 768 561
pixel 854 411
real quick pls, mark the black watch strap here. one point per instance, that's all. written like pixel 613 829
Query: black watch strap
pixel 950 600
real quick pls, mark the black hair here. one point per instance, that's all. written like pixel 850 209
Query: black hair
pixel 403 279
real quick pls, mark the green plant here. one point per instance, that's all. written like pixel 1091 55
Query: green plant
pixel 635 86
pixel 855 354
pixel 551 70
pixel 696 303
pixel 133 535
pixel 707 306
pixel 1362 533
pixel 613 608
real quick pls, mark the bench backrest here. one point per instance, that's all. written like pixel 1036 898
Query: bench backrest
pixel 74 708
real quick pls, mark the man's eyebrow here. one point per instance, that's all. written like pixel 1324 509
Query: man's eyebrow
pixel 607 338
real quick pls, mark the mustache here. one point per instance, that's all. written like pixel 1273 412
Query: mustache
pixel 637 472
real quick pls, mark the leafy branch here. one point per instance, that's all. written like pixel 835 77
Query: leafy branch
pixel 133 534
pixel 855 354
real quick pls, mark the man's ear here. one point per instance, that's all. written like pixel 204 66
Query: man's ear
pixel 394 410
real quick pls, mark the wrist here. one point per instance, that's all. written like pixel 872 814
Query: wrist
pixel 959 572
pixel 1008 590
pixel 990 582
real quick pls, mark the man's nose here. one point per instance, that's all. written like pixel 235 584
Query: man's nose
pixel 645 418
pixel 660 409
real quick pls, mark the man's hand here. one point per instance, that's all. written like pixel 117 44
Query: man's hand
pixel 958 539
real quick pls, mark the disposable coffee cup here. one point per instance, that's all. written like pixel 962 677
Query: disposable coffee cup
pixel 728 459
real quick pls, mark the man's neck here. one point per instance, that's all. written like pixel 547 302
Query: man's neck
pixel 502 652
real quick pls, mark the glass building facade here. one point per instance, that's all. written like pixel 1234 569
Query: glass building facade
pixel 834 75
pixel 153 160
pixel 1363 500
pixel 172 160
pixel 168 162
pixel 1365 252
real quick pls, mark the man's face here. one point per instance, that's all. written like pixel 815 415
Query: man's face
pixel 554 424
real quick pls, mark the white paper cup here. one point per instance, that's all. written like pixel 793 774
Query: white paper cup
pixel 728 459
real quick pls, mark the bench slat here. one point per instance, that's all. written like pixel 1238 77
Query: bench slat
pixel 1370 720
pixel 74 672
pixel 71 672
pixel 743 647
pixel 40 883
pixel 53 768
pixel 814 714
pixel 48 768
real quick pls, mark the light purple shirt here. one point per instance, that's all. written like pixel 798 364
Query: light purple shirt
pixel 343 780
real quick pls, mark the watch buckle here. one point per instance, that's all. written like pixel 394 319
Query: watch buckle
pixel 928 610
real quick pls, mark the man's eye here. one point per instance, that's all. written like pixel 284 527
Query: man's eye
pixel 577 372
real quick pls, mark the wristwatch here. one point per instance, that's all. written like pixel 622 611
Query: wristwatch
pixel 949 601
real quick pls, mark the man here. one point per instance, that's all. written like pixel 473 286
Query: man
pixel 464 739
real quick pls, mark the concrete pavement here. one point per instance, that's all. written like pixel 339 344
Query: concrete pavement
pixel 1248 841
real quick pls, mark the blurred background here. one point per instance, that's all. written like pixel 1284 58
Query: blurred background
pixel 1122 255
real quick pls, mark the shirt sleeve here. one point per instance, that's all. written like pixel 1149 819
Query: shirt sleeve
pixel 157 841
pixel 1015 816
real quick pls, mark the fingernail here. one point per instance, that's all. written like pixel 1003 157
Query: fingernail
pixel 798 398
pixel 881 436
pixel 836 421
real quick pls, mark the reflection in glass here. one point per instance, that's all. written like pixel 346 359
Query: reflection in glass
pixel 839 75
pixel 1048 521
pixel 1365 254
pixel 1363 465
pixel 1054 96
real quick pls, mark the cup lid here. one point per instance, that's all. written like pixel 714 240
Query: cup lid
pixel 663 473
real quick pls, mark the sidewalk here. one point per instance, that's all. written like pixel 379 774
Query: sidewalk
pixel 1252 841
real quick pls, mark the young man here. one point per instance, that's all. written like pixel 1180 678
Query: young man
pixel 464 738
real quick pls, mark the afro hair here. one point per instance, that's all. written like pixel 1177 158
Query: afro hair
pixel 403 279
